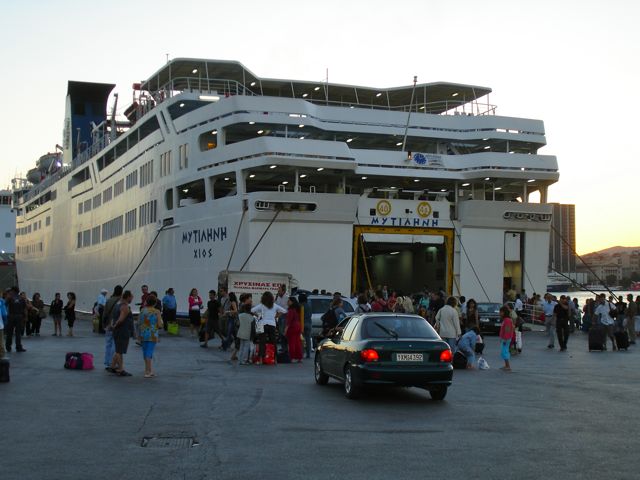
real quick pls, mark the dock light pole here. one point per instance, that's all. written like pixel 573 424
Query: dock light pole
pixel 406 127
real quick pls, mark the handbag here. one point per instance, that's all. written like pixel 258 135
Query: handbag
pixel 259 327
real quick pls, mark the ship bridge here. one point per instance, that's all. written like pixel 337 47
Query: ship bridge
pixel 226 78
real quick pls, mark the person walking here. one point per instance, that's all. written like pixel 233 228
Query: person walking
pixel 548 307
pixel 637 317
pixel 70 312
pixel 3 319
pixel 307 324
pixel 506 335
pixel 122 329
pixel 231 319
pixel 195 306
pixel 55 310
pixel 267 310
pixel 107 325
pixel 605 313
pixel 363 305
pixel 245 320
pixel 629 322
pixel 16 317
pixel 169 308
pixel 448 323
pixel 213 318
pixel 282 299
pixel 471 319
pixel 562 313
pixel 38 313
pixel 150 321
pixel 101 301
pixel 293 331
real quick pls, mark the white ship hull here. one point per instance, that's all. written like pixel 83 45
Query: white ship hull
pixel 326 238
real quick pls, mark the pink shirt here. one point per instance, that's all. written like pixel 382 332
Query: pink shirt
pixel 506 330
pixel 195 303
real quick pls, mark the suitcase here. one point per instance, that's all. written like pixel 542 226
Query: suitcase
pixel 597 337
pixel 4 370
pixel 459 361
pixel 622 340
pixel 269 354
pixel 283 357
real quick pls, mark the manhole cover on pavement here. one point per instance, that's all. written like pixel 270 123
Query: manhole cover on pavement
pixel 168 442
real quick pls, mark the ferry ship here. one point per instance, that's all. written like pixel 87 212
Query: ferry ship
pixel 345 187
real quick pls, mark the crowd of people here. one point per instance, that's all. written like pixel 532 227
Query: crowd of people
pixel 278 328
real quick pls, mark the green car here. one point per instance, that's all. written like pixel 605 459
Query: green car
pixel 385 349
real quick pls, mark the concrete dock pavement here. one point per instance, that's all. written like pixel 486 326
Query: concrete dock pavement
pixel 558 415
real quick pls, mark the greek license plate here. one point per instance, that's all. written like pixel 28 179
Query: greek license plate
pixel 484 320
pixel 409 357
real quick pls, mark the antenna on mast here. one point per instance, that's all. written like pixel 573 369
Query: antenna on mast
pixel 406 128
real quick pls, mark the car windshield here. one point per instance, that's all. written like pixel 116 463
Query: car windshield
pixel 321 305
pixel 489 308
pixel 404 327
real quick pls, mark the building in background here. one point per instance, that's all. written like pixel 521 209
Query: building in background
pixel 7 240
pixel 562 244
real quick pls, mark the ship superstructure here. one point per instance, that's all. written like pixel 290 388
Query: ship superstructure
pixel 345 187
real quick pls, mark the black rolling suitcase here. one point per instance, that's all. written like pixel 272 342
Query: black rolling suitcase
pixel 597 337
pixel 622 340
pixel 4 370
pixel 459 361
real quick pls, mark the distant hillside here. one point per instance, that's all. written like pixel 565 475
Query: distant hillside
pixel 610 250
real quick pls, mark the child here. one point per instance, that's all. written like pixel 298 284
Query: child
pixel 149 324
pixel 245 319
pixel 506 334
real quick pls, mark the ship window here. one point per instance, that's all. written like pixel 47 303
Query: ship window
pixel 183 153
pixel 130 221
pixel 146 174
pixel 118 188
pixel 147 213
pixel 208 140
pixel 165 164
pixel 148 127
pixel 80 205
pixel 132 179
pixel 7 234
pixel 224 185
pixel 87 206
pixel 168 199
pixel 107 195
pixel 86 238
pixel 95 235
pixel 47 221
pixel 182 107
pixel 79 241
pixel 191 193
pixel 97 201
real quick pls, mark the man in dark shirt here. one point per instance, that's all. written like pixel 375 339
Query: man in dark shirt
pixel 561 312
pixel 213 319
pixel 17 314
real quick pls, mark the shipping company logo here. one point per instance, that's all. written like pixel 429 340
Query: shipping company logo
pixel 383 208
pixel 424 209
pixel 420 159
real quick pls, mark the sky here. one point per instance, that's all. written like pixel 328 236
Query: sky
pixel 572 64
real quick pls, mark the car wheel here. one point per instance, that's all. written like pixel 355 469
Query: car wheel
pixel 321 377
pixel 438 393
pixel 351 390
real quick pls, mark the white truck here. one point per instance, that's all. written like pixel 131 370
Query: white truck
pixel 255 283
